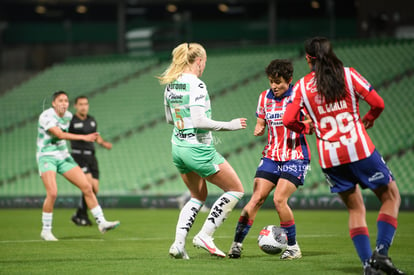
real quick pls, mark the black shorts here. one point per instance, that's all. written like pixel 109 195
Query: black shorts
pixel 88 164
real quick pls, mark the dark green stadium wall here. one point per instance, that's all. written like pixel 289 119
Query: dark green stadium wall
pixel 219 31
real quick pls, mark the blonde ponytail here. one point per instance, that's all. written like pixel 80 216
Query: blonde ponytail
pixel 182 57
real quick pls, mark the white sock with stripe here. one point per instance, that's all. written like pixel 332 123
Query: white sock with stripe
pixel 47 219
pixel 220 211
pixel 186 219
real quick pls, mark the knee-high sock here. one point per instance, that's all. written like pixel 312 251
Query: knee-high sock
pixel 220 211
pixel 387 225
pixel 360 238
pixel 186 219
pixel 242 229
pixel 290 228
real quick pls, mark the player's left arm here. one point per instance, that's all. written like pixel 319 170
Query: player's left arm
pixel 103 143
pixel 377 106
pixel 365 91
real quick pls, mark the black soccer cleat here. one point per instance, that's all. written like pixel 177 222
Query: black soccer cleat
pixel 235 250
pixel 81 220
pixel 384 263
pixel 369 270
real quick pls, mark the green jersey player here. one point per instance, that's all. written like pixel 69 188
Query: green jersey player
pixel 53 157
pixel 187 107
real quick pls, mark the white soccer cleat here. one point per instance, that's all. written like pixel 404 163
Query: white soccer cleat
pixel 291 252
pixel 47 236
pixel 178 252
pixel 206 242
pixel 105 226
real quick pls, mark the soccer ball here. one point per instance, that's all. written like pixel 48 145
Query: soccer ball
pixel 272 239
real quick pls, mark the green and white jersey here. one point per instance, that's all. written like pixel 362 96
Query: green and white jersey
pixel 187 91
pixel 47 144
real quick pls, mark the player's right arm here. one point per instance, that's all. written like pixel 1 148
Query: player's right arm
pixel 290 117
pixel 57 132
pixel 260 127
pixel 168 116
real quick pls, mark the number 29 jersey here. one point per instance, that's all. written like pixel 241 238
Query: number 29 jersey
pixel 341 135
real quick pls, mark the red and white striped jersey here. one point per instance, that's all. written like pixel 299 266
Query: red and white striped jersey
pixel 341 135
pixel 282 143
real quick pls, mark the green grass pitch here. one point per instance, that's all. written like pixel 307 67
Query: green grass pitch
pixel 140 245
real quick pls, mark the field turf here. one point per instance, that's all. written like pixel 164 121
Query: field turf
pixel 140 245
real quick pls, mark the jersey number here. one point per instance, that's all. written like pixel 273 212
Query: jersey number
pixel 337 124
pixel 180 122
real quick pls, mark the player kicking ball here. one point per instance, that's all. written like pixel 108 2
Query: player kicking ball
pixel 284 163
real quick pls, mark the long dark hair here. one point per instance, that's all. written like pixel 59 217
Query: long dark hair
pixel 329 70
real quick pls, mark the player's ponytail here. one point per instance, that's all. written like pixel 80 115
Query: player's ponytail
pixel 329 70
pixel 182 57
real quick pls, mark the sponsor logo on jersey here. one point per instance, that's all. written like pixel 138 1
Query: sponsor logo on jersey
pixel 311 85
pixel 78 125
pixel 175 98
pixel 275 115
pixel 201 86
pixel 178 86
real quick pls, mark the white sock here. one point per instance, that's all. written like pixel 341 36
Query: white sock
pixel 98 214
pixel 186 219
pixel 220 211
pixel 47 221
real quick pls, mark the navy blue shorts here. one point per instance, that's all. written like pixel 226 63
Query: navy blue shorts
pixel 292 170
pixel 371 173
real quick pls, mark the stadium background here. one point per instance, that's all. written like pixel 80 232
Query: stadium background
pixel 111 50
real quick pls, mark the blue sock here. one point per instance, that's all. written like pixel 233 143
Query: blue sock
pixel 387 226
pixel 360 238
pixel 242 229
pixel 290 228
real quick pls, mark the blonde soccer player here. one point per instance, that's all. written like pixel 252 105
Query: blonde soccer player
pixel 187 107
